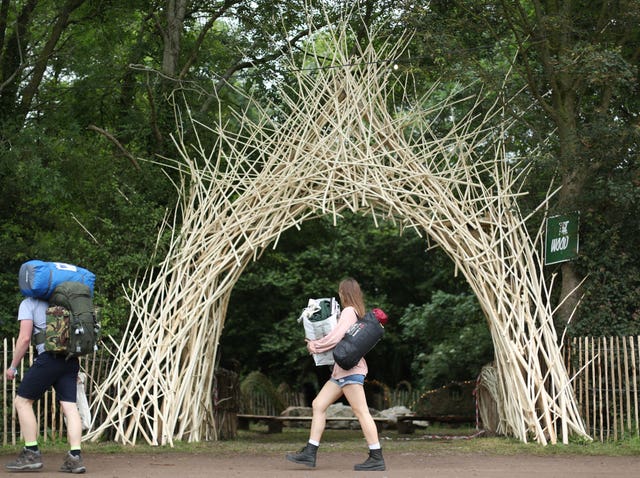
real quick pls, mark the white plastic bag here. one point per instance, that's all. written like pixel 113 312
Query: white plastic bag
pixel 315 328
pixel 82 402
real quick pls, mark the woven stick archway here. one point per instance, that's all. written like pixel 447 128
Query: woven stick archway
pixel 340 144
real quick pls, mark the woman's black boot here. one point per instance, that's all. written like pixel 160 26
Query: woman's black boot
pixel 306 456
pixel 375 462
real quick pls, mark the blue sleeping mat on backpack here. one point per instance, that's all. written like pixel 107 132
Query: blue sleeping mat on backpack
pixel 38 278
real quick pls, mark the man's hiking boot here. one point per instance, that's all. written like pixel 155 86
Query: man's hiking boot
pixel 73 464
pixel 27 460
pixel 306 456
pixel 374 462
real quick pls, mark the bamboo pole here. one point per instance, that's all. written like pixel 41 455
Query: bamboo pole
pixel 585 380
pixel 5 364
pixel 634 375
pixel 13 398
pixel 619 389
pixel 602 341
pixel 594 355
pixel 627 385
pixel 43 416
pixel 615 386
pixel 608 387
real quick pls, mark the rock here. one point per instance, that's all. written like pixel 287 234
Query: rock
pixel 392 413
pixel 297 412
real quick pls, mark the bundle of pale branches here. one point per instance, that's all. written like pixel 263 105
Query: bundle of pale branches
pixel 340 140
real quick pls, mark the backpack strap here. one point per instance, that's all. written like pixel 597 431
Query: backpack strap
pixel 38 338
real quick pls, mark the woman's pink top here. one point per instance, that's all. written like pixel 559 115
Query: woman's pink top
pixel 347 318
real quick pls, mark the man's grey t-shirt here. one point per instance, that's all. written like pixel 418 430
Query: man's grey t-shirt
pixel 36 310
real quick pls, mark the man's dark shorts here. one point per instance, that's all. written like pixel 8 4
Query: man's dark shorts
pixel 49 370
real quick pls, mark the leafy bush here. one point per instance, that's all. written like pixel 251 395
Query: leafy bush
pixel 449 339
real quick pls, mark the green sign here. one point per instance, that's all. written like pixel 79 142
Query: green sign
pixel 561 243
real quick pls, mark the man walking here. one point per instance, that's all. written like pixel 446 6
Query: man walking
pixel 48 370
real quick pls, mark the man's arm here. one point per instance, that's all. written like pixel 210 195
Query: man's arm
pixel 22 345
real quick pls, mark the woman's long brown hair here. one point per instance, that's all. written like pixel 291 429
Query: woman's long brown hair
pixel 351 295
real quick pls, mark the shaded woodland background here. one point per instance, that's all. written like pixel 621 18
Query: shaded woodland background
pixel 88 96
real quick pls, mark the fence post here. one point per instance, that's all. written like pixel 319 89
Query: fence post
pixel 5 365
pixel 634 374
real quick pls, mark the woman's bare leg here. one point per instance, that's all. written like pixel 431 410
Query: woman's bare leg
pixel 358 401
pixel 329 393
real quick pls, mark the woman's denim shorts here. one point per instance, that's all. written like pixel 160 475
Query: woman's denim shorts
pixel 348 380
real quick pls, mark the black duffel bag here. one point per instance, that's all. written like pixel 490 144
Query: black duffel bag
pixel 360 339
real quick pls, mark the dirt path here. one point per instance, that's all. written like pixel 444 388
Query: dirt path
pixel 405 465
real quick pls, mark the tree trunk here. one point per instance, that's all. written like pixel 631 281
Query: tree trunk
pixel 545 40
pixel 573 169
pixel 40 67
pixel 172 35
pixel 12 62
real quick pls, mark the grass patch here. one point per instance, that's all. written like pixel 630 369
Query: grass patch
pixel 433 441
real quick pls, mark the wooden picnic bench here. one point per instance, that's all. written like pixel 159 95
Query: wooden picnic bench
pixel 276 422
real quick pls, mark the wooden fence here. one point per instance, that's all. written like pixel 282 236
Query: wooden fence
pixel 606 373
pixel 606 384
pixel 48 413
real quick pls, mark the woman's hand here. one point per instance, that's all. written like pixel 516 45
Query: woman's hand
pixel 310 347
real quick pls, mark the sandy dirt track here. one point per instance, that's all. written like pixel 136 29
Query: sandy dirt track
pixel 405 465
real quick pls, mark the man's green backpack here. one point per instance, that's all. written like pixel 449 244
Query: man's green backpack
pixel 72 327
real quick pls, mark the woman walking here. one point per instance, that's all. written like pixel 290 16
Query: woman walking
pixel 349 383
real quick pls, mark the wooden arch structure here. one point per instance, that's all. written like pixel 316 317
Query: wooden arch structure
pixel 340 142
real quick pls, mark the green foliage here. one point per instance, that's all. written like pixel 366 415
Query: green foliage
pixel 67 205
pixel 576 124
pixel 77 185
pixel 262 332
pixel 449 339
pixel 611 301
